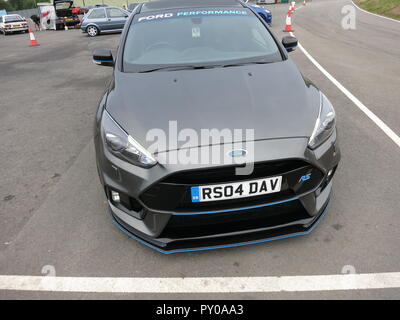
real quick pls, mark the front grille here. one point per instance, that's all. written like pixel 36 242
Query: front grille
pixel 173 193
pixel 189 226
pixel 228 174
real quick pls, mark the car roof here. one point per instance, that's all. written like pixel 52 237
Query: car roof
pixel 184 4
pixel 11 15
pixel 105 7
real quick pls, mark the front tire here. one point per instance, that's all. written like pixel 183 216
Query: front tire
pixel 92 31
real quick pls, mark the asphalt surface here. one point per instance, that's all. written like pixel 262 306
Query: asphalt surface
pixel 53 210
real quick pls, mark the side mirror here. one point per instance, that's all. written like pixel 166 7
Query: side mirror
pixel 290 43
pixel 103 57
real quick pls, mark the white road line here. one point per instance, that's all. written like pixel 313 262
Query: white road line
pixel 389 132
pixel 374 14
pixel 202 285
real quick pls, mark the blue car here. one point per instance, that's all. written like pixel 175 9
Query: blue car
pixel 262 12
pixel 104 20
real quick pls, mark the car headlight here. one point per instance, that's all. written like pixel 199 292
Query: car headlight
pixel 122 145
pixel 325 124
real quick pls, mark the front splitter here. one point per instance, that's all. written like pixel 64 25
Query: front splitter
pixel 239 244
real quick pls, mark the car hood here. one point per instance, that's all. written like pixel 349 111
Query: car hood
pixel 273 99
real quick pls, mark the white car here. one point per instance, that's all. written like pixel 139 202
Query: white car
pixel 13 23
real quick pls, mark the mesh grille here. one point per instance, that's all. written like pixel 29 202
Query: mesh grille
pixel 220 223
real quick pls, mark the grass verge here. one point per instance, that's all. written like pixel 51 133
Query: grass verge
pixel 388 8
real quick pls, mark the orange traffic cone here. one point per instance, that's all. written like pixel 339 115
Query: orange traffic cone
pixel 32 37
pixel 289 27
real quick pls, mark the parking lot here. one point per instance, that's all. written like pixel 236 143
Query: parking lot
pixel 53 213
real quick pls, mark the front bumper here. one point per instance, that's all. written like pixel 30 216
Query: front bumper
pixel 156 211
pixel 237 239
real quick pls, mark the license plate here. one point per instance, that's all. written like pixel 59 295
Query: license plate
pixel 69 19
pixel 16 26
pixel 236 190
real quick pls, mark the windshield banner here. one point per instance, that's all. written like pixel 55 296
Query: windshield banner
pixel 196 13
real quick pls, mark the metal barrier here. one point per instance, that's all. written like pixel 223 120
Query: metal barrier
pixel 27 13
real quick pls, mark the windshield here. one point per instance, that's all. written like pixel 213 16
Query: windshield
pixel 13 18
pixel 197 38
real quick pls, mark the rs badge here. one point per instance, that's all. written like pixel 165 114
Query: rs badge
pixel 305 177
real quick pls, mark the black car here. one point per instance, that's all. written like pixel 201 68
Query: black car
pixel 208 136
pixel 65 13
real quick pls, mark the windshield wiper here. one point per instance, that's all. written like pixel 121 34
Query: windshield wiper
pixel 244 64
pixel 175 68
pixel 194 67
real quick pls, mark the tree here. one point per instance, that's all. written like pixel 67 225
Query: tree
pixel 5 5
pixel 22 4
pixel 29 4
pixel 16 4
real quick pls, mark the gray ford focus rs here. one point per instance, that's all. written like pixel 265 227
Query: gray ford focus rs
pixel 207 135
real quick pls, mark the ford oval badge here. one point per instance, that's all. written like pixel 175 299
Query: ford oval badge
pixel 237 153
